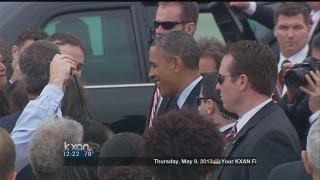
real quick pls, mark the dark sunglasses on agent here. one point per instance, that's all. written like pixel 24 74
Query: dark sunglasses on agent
pixel 167 25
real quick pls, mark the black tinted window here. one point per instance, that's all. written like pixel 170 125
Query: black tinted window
pixel 109 39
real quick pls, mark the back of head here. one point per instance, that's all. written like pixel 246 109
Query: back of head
pixel 63 38
pixel 120 145
pixel 257 61
pixel 8 155
pixel 212 48
pixel 292 9
pixel 47 145
pixel 94 131
pixel 182 133
pixel 181 44
pixel 34 65
pixel 128 172
pixel 208 84
pixel 313 146
pixel 33 33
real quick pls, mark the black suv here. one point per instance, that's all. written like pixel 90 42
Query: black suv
pixel 117 36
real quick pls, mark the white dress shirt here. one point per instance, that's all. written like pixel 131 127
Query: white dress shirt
pixel 248 115
pixel 185 93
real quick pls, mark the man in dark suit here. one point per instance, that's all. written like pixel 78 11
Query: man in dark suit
pixel 265 15
pixel 210 104
pixel 172 12
pixel 174 59
pixel 247 77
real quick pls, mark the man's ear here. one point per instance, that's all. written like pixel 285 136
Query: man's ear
pixel 177 62
pixel 211 107
pixel 190 28
pixel 306 163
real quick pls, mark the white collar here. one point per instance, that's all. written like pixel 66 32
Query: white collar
pixel 226 127
pixel 185 93
pixel 248 115
pixel 296 58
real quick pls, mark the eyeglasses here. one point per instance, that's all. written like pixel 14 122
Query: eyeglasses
pixel 221 77
pixel 198 100
pixel 167 25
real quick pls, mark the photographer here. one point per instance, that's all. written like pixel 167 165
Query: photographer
pixel 296 101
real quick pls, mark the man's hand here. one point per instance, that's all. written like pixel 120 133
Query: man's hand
pixel 241 5
pixel 313 90
pixel 60 70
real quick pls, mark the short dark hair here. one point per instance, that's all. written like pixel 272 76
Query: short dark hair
pixel 189 10
pixel 182 133
pixel 8 154
pixel 128 172
pixel 208 84
pixel 257 61
pixel 120 145
pixel 94 131
pixel 292 9
pixel 315 43
pixel 63 38
pixel 33 33
pixel 34 65
pixel 179 43
pixel 213 48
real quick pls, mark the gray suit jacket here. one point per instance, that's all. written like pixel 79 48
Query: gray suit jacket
pixel 292 170
pixel 269 137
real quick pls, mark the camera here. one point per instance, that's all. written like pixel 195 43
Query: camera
pixel 295 77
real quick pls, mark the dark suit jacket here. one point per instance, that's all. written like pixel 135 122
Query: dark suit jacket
pixel 292 170
pixel 263 15
pixel 169 103
pixel 298 114
pixel 8 123
pixel 269 137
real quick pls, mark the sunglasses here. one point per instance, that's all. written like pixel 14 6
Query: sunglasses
pixel 167 25
pixel 221 78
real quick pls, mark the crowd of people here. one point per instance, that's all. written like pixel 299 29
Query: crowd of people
pixel 210 100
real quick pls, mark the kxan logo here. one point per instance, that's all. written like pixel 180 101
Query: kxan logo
pixel 76 147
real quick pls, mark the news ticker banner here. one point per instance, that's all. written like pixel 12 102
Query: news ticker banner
pixel 158 161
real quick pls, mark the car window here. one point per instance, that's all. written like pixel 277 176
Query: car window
pixel 207 27
pixel 111 56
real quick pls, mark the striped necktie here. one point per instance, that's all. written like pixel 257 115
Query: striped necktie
pixel 155 102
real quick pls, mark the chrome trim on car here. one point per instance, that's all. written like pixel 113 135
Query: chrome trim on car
pixel 119 86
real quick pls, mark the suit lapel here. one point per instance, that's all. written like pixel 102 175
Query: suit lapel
pixel 167 104
pixel 268 108
pixel 191 99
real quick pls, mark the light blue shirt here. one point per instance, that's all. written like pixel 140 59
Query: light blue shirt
pixel 185 93
pixel 38 110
